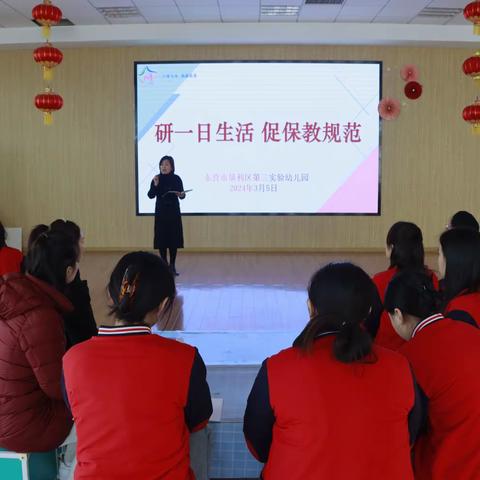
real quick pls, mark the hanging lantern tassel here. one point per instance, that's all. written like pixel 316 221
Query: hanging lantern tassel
pixel 46 15
pixel 471 114
pixel 47 118
pixel 48 102
pixel 49 57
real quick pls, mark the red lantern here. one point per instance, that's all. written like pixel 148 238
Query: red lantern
pixel 472 13
pixel 471 114
pixel 48 102
pixel 471 67
pixel 46 15
pixel 49 57
pixel 413 90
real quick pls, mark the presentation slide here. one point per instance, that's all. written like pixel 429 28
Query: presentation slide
pixel 261 137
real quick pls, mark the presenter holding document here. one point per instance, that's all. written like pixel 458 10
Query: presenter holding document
pixel 167 188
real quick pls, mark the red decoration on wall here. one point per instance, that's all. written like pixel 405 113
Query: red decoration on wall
pixel 49 57
pixel 471 114
pixel 48 102
pixel 413 90
pixel 409 73
pixel 472 13
pixel 389 108
pixel 471 67
pixel 46 15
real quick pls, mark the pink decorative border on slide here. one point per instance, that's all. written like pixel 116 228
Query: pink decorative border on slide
pixel 359 193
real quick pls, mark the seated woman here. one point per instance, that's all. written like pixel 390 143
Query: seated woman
pixel 334 406
pixel 404 250
pixel 80 323
pixel 135 397
pixel 459 266
pixel 10 258
pixel 444 355
pixel 33 415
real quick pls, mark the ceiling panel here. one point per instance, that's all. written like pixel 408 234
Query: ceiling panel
pixel 238 14
pixel 430 20
pixel 17 13
pixel 108 3
pixel 161 14
pixel 361 14
pixel 127 20
pixel 448 3
pixel 319 13
pixel 11 18
pixel 403 8
pixel 459 20
pixel 365 3
pixel 155 3
pixel 201 14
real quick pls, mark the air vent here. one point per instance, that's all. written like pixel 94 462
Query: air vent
pixel 119 12
pixel 64 22
pixel 279 10
pixel 434 12
pixel 324 2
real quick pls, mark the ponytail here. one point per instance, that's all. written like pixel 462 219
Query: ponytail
pixel 343 296
pixel 50 255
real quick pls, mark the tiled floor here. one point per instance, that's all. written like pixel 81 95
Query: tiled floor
pixel 233 291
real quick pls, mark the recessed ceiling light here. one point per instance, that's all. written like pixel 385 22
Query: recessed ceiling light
pixel 119 12
pixel 279 10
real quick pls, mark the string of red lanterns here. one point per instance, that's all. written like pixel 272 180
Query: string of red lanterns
pixel 48 57
pixel 471 67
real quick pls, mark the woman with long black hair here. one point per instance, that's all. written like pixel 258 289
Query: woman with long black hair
pixel 404 250
pixel 33 415
pixel 334 405
pixel 459 266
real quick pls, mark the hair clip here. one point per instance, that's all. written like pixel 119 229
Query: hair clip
pixel 128 288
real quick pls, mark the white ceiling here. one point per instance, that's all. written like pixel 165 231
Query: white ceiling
pixel 17 13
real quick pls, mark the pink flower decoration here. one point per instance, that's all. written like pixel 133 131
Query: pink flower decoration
pixel 409 73
pixel 389 108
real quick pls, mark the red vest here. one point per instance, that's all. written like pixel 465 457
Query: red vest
pixel 468 302
pixel 127 395
pixel 339 421
pixel 10 260
pixel 445 355
pixel 387 337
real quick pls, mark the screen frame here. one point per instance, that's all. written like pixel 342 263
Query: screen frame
pixel 263 214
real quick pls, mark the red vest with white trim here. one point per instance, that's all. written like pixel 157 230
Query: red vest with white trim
pixel 339 421
pixel 127 391
pixel 445 355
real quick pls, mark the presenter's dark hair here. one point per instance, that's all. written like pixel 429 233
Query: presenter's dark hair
pixel 35 233
pixel 50 255
pixel 3 235
pixel 461 249
pixel 413 293
pixel 464 219
pixel 68 227
pixel 343 296
pixel 406 241
pixel 150 281
pixel 170 159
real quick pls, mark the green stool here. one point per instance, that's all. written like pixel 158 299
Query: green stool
pixel 28 466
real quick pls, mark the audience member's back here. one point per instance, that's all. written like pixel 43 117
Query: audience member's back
pixel 33 416
pixel 333 406
pixel 444 355
pixel 135 395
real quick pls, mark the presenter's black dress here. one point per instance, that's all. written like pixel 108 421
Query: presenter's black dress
pixel 168 220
